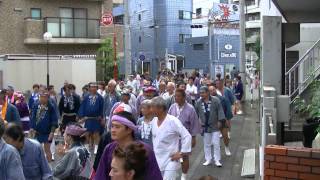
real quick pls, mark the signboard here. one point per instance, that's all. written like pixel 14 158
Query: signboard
pixel 228 55
pixel 225 12
pixel 142 57
pixel 107 19
pixel 219 69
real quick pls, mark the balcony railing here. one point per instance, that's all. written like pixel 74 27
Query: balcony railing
pixel 72 27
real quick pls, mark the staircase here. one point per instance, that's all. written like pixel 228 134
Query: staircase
pixel 297 81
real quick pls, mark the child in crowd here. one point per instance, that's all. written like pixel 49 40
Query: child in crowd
pixel 144 123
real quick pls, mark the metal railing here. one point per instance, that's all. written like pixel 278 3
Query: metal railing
pixel 61 27
pixel 300 75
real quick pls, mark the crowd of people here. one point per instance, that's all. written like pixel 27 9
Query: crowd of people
pixel 123 130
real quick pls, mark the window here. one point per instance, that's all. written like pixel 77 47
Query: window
pixel 35 13
pixel 199 12
pixel 118 19
pixel 139 17
pixel 197 47
pixel 184 14
pixel 73 22
pixel 224 1
pixel 183 37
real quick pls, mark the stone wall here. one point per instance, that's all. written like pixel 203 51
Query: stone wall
pixel 284 163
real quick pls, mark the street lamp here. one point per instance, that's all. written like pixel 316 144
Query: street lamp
pixel 47 37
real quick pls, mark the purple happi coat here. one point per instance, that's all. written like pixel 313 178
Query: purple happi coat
pixel 188 117
pixel 152 169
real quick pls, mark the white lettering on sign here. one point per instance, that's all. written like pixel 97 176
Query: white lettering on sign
pixel 228 55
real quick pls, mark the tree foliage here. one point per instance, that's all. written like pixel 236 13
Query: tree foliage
pixel 105 62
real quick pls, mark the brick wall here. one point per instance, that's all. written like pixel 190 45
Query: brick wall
pixel 284 163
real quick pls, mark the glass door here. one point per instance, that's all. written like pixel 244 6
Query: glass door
pixel 66 15
pixel 80 23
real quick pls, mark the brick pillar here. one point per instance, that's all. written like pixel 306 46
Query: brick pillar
pixel 284 163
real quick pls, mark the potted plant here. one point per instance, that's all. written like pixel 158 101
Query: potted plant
pixel 310 111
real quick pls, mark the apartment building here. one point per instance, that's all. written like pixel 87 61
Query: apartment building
pixel 76 30
pixel 74 24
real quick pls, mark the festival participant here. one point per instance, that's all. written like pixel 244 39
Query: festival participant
pixel 110 99
pixel 169 95
pixel 43 122
pixel 238 92
pixel 9 113
pixel 227 109
pixel 73 90
pixel 10 95
pixel 122 133
pixel 10 161
pixel 125 97
pixel 157 81
pixel 34 96
pixel 183 86
pixel 75 163
pixel 192 90
pixel 52 94
pixel 144 123
pixel 69 105
pixel 34 162
pixel 167 132
pixel 23 112
pixel 101 89
pixel 133 83
pixel 148 93
pixel 211 114
pixel 85 92
pixel 186 113
pixel 162 88
pixel 91 114
pixel 129 163
pixel 133 98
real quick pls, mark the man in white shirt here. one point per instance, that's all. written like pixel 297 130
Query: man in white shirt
pixel 133 83
pixel 167 133
pixel 192 90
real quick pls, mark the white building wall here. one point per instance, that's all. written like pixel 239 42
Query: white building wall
pixel 22 74
pixel 205 5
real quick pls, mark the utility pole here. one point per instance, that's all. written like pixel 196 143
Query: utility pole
pixel 243 45
pixel 210 24
pixel 127 39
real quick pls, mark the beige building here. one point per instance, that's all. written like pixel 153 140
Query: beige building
pixel 74 24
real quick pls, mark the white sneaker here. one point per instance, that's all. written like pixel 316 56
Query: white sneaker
pixel 220 135
pixel 227 150
pixel 218 164
pixel 184 176
pixel 239 112
pixel 207 163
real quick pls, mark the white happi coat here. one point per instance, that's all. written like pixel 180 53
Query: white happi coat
pixel 166 141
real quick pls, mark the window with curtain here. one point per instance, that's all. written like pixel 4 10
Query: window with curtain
pixel 66 15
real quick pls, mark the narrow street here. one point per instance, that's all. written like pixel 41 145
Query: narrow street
pixel 243 136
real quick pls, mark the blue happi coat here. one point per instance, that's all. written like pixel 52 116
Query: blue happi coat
pixel 91 107
pixel 43 122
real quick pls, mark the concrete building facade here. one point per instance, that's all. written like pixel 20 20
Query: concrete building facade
pixel 225 52
pixel 74 24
